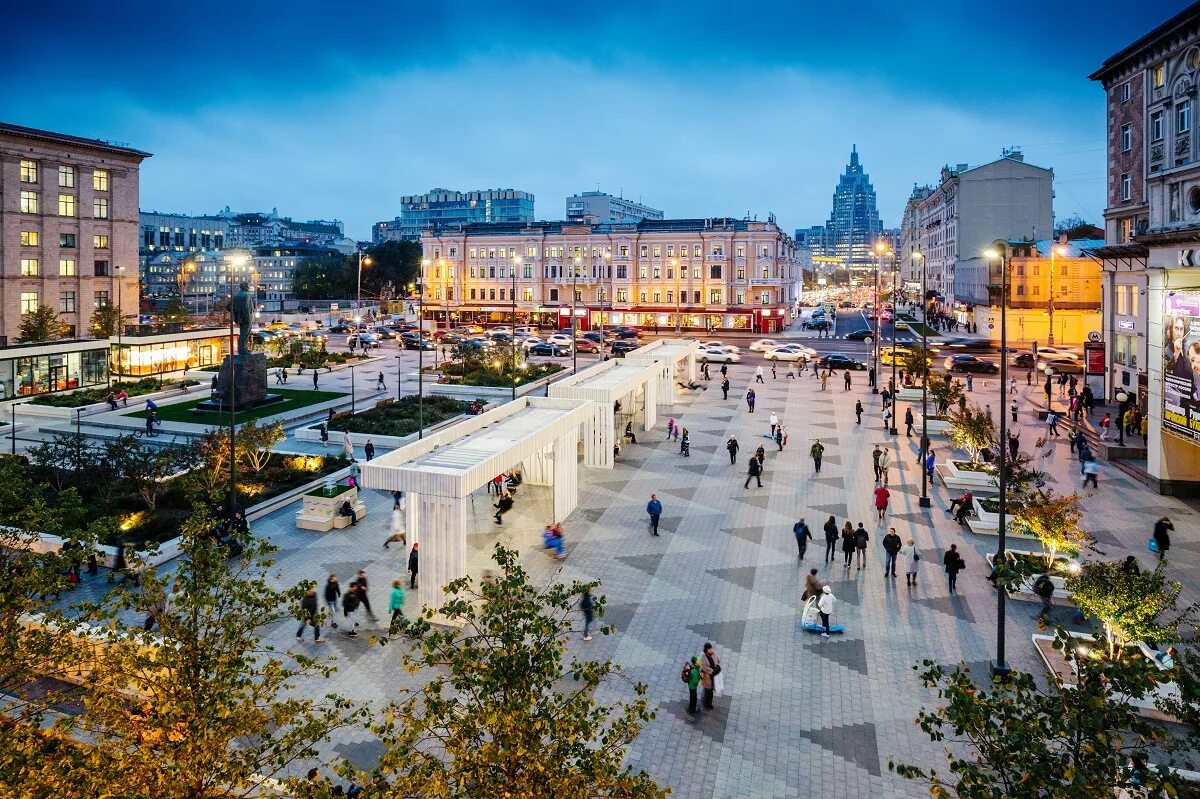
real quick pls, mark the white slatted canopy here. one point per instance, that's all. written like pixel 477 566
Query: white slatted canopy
pixel 604 384
pixel 669 354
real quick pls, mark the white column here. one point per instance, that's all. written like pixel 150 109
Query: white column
pixel 566 475
pixel 439 525
pixel 598 436
pixel 691 367
pixel 539 467
pixel 650 394
pixel 667 382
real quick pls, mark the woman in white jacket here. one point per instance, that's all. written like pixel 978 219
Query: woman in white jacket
pixel 825 608
pixel 885 461
pixel 912 557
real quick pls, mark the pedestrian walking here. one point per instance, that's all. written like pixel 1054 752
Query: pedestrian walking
pixel 912 559
pixel 503 506
pixel 1044 589
pixel 725 388
pixel 875 453
pixel 1052 423
pixel 858 411
pixel 308 615
pixel 750 399
pixel 279 377
pixel 379 384
pixel 970 382
pixel 885 461
pixel 732 446
pixel 1104 425
pixel 861 538
pixel 908 422
pixel 881 500
pixel 1162 536
pixel 347 445
pixel 670 427
pixel 654 510
pixel 349 607
pixel 1012 385
pixel 891 548
pixel 953 563
pixel 780 437
pixel 1013 408
pixel 413 566
pixel 754 473
pixel 364 600
pixel 816 452
pixel 685 444
pixel 315 379
pixel 791 371
pixel 369 449
pixel 803 536
pixel 774 376
pixel 758 375
pixel 930 463
pixel 332 592
pixel 724 369
pixel 1014 444
pixel 887 417
pixel 773 419
pixel 825 381
pixel 396 601
pixel 846 379
pixel 831 539
pixel 871 377
pixel 691 676
pixel 812 586
pixel 710 673
pixel 848 543
pixel 825 608
pixel 587 606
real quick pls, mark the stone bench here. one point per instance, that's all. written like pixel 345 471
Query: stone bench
pixel 320 512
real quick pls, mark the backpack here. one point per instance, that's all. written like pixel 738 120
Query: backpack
pixel 686 674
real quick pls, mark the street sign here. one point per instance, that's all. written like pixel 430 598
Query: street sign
pixel 991 326
pixel 1095 337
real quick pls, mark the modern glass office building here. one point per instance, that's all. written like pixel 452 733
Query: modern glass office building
pixel 30 369
pixel 442 209
pixel 853 226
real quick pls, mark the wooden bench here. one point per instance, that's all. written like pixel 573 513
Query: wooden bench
pixel 320 512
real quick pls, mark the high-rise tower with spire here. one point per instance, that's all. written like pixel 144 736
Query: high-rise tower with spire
pixel 853 226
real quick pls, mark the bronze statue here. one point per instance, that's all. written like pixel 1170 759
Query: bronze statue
pixel 241 307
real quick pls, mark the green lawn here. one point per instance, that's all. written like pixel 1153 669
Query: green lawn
pixel 293 399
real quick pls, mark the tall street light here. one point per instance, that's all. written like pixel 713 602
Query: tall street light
pixel 516 263
pixel 574 282
pixel 895 309
pixel 235 262
pixel 362 259
pixel 924 502
pixel 1055 249
pixel 421 350
pixel 120 273
pixel 1000 665
pixel 674 265
pixel 880 249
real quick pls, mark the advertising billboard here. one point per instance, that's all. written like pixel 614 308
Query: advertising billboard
pixel 1181 365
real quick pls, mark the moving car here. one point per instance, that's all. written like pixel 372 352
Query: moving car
pixel 1056 352
pixel 598 337
pixel 838 360
pixel 364 340
pixel 720 345
pixel 531 341
pixel 586 345
pixel 791 352
pixel 962 345
pixel 766 345
pixel 901 355
pixel 970 364
pixel 860 335
pixel 622 346
pixel 815 324
pixel 561 339
pixel 626 332
pixel 341 327
pixel 717 355
pixel 416 344
pixel 1068 366
pixel 547 348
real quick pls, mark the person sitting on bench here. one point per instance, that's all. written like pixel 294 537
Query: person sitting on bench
pixel 629 432
pixel 966 506
pixel 348 510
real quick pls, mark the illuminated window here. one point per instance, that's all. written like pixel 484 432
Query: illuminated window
pixel 657 250
pixel 100 207
pixel 765 298
pixel 670 250
pixel 30 238
pixel 622 295
pixel 471 253
pixel 66 267
pixel 29 171
pixel 1126 186
pixel 29 267
pixel 66 177
pixel 66 205
pixel 714 296
pixel 527 294
pixel 100 180
pixel 741 273
pixel 624 250
pixel 100 242
pixel 695 273
pixel 29 301
pixel 101 299
pixel 1160 76
pixel 643 250
pixel 697 251
pixel 66 302
pixel 741 251
pixel 641 296
pixel 642 272
pixel 29 202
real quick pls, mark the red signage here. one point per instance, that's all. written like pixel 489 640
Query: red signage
pixel 1093 357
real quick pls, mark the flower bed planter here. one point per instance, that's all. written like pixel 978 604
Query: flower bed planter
pixel 1059 579
pixel 1064 672
pixel 909 394
pixel 958 474
pixel 466 392
pixel 935 425
pixel 987 519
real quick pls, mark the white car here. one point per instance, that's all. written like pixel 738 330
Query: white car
pixel 562 340
pixel 791 352
pixel 765 345
pixel 719 345
pixel 1056 352
pixel 530 341
pixel 717 355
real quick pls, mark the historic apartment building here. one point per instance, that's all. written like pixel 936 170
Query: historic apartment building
pixel 68 226
pixel 709 274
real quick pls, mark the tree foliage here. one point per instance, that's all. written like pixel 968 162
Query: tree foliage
pixel 503 713
pixel 255 443
pixel 387 268
pixel 1052 519
pixel 41 324
pixel 322 279
pixel 174 310
pixel 945 391
pixel 105 320
pixel 1007 738
pixel 1132 605
pixel 972 430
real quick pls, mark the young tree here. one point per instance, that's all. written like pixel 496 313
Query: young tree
pixel 62 458
pixel 105 320
pixel 149 468
pixel 972 430
pixel 256 442
pixel 174 310
pixel 945 391
pixel 916 364
pixel 40 324
pixel 502 713
pixel 394 264
pixel 205 707
pixel 1132 605
pixel 1010 739
pixel 1053 520
pixel 211 454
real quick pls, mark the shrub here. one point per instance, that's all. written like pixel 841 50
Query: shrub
pixel 399 418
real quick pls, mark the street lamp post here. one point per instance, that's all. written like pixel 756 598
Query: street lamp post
pixel 574 282
pixel 421 351
pixel 513 329
pixel 1122 405
pixel 895 309
pixel 880 249
pixel 1000 665
pixel 672 264
pixel 358 296
pixel 231 396
pixel 118 273
pixel 1054 250
pixel 924 501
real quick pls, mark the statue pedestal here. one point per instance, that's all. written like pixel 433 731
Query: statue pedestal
pixel 242 379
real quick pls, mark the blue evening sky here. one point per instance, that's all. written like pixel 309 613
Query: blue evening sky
pixel 700 108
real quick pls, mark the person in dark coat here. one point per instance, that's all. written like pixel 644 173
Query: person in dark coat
pixel 308 615
pixel 861 537
pixel 413 567
pixel 954 563
pixel 733 447
pixel 803 536
pixel 848 543
pixel 891 545
pixel 754 473
pixel 831 539
pixel 1162 535
pixel 908 422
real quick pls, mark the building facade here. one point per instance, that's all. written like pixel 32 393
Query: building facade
pixel 702 274
pixel 68 227
pixel 910 240
pixel 598 206
pixel 258 229
pixel 201 279
pixel 853 227
pixel 182 233
pixel 1152 251
pixel 443 209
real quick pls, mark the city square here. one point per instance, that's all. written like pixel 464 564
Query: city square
pixel 495 499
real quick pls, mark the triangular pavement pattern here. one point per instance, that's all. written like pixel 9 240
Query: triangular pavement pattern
pixel 851 653
pixel 923 519
pixel 618 615
pixel 954 606
pixel 711 723
pixel 723 634
pixel 854 742
pixel 752 534
pixel 838 510
pixel 742 576
pixel 757 502
pixel 835 482
pixel 647 564
pixel 591 514
pixel 682 493
pixel 696 469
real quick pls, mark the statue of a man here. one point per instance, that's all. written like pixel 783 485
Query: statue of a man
pixel 242 309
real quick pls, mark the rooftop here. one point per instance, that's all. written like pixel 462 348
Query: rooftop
pixel 64 138
pixel 1190 16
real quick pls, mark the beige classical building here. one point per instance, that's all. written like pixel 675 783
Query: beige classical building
pixel 68 227
pixel 707 274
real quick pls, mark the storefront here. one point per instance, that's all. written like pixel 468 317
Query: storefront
pixel 139 356
pixel 754 320
pixel 27 370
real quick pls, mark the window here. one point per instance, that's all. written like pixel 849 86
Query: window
pixel 66 240
pixel 1183 116
pixel 622 272
pixel 100 180
pixel 101 299
pixel 766 272
pixel 718 248
pixel 714 296
pixel 740 298
pixel 624 250
pixel 658 296
pixel 696 297
pixel 453 252
pixel 1020 289
pixel 100 242
pixel 1062 270
pixel 1157 128
pixel 30 238
pixel 741 251
pixel 714 271
pixel 1126 137
pixel 66 205
pixel 66 177
pixel 1125 92
pixel 1122 300
pixel 1020 270
pixel 1037 290
pixel 29 301
pixel 695 273
pixel 1133 300
pixel 741 273
pixel 642 272
pixel 657 250
pixel 765 298
pixel 643 250
pixel 29 171
pixel 1160 76
pixel 766 251
pixel 472 293
pixel 1124 231
pixel 527 294
pixel 1037 270
pixel 578 295
pixel 641 296
pixel 671 251
pixel 101 269
pixel 697 251
pixel 29 267
pixel 622 295
pixel 1126 186
pixel 66 302
pixel 528 271
pixel 553 295
pixel 66 267
pixel 29 202
pixel 502 294
pixel 491 294
pixel 1122 349
pixel 100 207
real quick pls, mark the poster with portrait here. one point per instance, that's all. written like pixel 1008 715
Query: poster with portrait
pixel 1181 365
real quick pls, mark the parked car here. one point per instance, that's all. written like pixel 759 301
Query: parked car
pixel 547 348
pixel 815 324
pixel 846 305
pixel 970 364
pixel 837 360
pixel 1068 366
pixel 766 345
pixel 525 331
pixel 626 332
pixel 718 355
pixel 622 346
pixel 586 345
pixel 365 340
pixel 340 327
pixel 500 336
pixel 561 339
pixel 860 335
